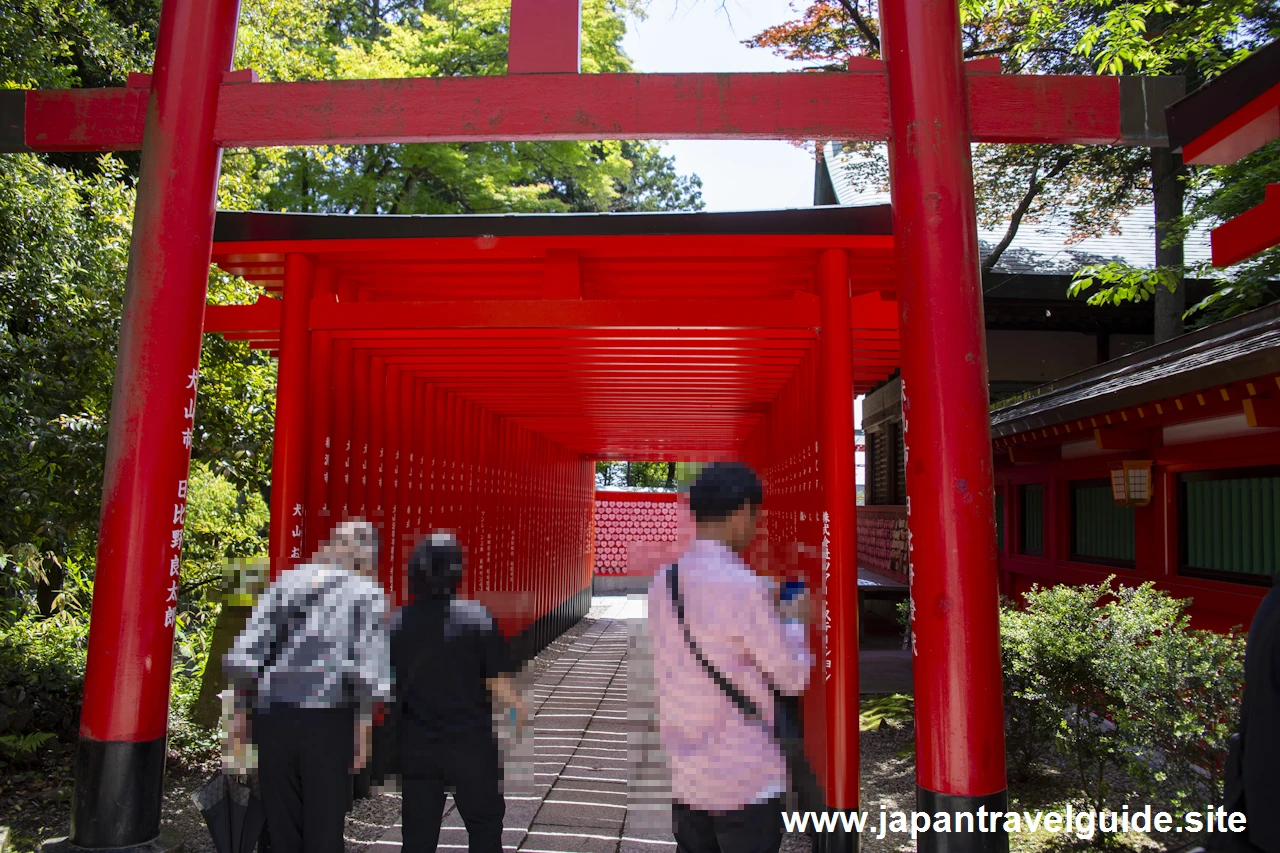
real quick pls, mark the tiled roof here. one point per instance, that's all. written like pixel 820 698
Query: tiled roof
pixel 1042 247
pixel 1240 348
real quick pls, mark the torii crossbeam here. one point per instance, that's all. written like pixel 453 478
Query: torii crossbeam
pixel 923 99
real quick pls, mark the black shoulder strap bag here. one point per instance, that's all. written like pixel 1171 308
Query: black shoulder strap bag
pixel 786 728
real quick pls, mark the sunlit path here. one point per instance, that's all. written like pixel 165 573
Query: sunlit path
pixel 578 800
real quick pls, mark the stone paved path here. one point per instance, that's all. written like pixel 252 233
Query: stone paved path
pixel 592 780
pixel 584 758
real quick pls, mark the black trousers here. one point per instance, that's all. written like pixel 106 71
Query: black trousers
pixel 304 768
pixel 466 763
pixel 756 828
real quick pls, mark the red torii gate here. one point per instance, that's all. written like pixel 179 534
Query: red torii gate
pixel 922 98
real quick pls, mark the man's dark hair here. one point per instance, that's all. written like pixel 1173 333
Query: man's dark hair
pixel 435 567
pixel 723 488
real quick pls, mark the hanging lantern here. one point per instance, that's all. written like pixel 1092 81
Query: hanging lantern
pixel 1131 482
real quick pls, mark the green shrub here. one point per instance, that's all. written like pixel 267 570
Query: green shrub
pixel 42 677
pixel 1116 680
pixel 1030 720
pixel 1181 706
pixel 190 743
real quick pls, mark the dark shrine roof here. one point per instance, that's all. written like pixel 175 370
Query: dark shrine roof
pixel 236 227
pixel 1215 101
pixel 1241 348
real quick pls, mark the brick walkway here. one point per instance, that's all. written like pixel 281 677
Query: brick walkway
pixel 588 754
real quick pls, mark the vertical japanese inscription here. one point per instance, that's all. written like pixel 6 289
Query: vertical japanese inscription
pixel 826 606
pixel 179 516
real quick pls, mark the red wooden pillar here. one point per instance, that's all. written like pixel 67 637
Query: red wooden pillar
pixel 422 480
pixel 340 463
pixel 437 516
pixel 526 482
pixel 467 435
pixel 545 36
pixel 388 413
pixel 470 439
pixel 838 479
pixel 409 457
pixel 950 505
pixel 358 487
pixel 120 762
pixel 549 568
pixel 451 449
pixel 520 492
pixel 376 455
pixel 508 508
pixel 320 468
pixel 289 448
pixel 487 504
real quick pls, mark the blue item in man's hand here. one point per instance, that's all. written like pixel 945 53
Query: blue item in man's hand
pixel 791 589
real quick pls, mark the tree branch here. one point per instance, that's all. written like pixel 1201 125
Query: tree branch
pixel 1033 189
pixel 851 9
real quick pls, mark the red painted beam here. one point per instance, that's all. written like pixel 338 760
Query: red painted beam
pixel 1003 108
pixel 251 321
pixel 1244 132
pixel 1126 439
pixel 1035 455
pixel 86 119
pixel 1262 411
pixel 568 315
pixel 1249 233
pixel 236 321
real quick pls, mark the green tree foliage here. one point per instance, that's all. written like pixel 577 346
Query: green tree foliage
pixel 1092 186
pixel 467 38
pixel 647 475
pixel 1198 40
pixel 222 522
pixel 64 240
pixel 42 676
pixel 72 43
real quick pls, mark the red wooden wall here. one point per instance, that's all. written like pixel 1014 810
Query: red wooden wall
pixel 1216 604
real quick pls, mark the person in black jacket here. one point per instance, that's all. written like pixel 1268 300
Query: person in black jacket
pixel 1254 783
pixel 449 664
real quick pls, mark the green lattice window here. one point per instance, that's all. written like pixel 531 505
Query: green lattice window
pixel 1031 520
pixel 1102 531
pixel 1230 524
pixel 1000 522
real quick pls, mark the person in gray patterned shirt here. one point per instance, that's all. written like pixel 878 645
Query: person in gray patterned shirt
pixel 307 670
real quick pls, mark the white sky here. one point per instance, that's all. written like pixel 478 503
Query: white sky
pixel 706 35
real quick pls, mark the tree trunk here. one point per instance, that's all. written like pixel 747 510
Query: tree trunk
pixel 824 191
pixel 49 587
pixel 671 475
pixel 1166 186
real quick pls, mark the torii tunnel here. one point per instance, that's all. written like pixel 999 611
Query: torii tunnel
pixel 465 372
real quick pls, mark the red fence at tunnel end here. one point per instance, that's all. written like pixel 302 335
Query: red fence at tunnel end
pixel 638 532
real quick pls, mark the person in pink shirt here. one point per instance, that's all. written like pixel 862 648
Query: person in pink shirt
pixel 722 644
